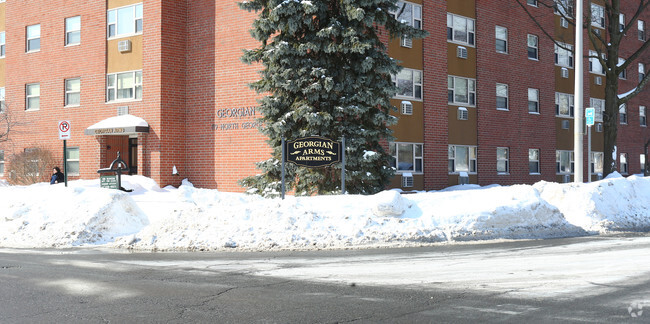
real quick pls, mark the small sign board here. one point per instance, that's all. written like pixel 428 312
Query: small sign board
pixel 313 152
pixel 64 130
pixel 590 115
pixel 108 181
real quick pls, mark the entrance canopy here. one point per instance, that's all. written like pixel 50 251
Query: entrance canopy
pixel 119 125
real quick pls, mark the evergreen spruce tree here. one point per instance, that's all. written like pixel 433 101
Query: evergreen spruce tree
pixel 326 73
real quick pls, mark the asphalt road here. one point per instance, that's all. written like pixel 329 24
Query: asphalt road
pixel 589 279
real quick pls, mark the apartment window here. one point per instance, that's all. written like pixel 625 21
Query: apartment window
pixel 564 55
pixel 622 113
pixel 2 162
pixel 641 71
pixel 596 163
pixel 73 30
pixel 72 92
pixel 642 116
pixel 33 38
pixel 564 7
pixel 594 63
pixel 124 86
pixel 532 3
pixel 73 161
pixel 623 163
pixel 406 157
pixel 33 96
pixel 409 83
pixel 564 162
pixel 533 100
pixel 2 44
pixel 621 22
pixel 502 96
pixel 563 105
pixel 409 13
pixel 597 16
pixel 599 107
pixel 533 51
pixel 460 29
pixel 533 161
pixel 125 21
pixel 501 34
pixel 642 162
pixel 503 160
pixel 641 27
pixel 462 158
pixel 623 74
pixel 461 90
pixel 2 100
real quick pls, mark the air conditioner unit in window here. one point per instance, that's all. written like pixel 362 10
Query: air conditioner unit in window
pixel 124 46
pixel 122 110
pixel 596 31
pixel 599 176
pixel 463 114
pixel 598 80
pixel 461 52
pixel 407 180
pixel 565 73
pixel 564 23
pixel 463 178
pixel 566 178
pixel 407 108
pixel 599 127
pixel 407 41
pixel 565 124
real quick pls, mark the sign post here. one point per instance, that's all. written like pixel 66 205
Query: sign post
pixel 590 116
pixel 64 134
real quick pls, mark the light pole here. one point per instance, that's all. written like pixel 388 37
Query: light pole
pixel 577 97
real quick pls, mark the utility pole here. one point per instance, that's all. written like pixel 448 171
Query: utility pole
pixel 578 97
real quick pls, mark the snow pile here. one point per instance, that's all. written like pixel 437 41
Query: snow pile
pixel 189 218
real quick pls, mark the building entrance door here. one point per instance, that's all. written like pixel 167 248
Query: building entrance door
pixel 133 156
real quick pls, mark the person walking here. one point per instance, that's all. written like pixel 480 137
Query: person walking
pixel 57 176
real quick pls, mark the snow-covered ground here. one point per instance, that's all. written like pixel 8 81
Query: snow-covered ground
pixel 189 218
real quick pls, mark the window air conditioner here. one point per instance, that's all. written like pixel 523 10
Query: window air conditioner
pixel 565 73
pixel 463 178
pixel 407 108
pixel 564 23
pixel 122 110
pixel 566 178
pixel 565 124
pixel 407 42
pixel 598 80
pixel 124 46
pixel 461 52
pixel 407 180
pixel 599 127
pixel 463 114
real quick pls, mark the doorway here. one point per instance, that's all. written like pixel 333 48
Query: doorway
pixel 133 156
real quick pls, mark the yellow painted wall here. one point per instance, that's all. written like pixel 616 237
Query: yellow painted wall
pixel 127 61
pixel 121 3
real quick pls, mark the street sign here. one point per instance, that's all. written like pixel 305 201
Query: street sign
pixel 590 114
pixel 64 130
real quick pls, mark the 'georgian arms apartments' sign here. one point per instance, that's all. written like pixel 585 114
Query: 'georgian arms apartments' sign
pixel 313 151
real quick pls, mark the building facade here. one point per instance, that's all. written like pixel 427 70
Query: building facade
pixel 161 81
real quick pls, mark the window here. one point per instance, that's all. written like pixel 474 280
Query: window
pixel 409 13
pixel 623 74
pixel 532 3
pixel 2 100
pixel 502 96
pixel 501 34
pixel 641 72
pixel 73 30
pixel 533 52
pixel 564 7
pixel 642 162
pixel 503 158
pixel 124 86
pixel 599 107
pixel 621 22
pixel 641 27
pixel 2 162
pixel 73 161
pixel 533 161
pixel 623 163
pixel 460 29
pixel 594 63
pixel 564 162
pixel 596 163
pixel 409 83
pixel 622 113
pixel 564 55
pixel 125 21
pixel 33 38
pixel 563 105
pixel 2 44
pixel 597 16
pixel 33 96
pixel 72 92
pixel 462 159
pixel 642 116
pixel 533 100
pixel 461 90
pixel 406 157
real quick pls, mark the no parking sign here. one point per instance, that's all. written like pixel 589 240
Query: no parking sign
pixel 64 130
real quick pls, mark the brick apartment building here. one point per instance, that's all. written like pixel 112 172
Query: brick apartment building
pixel 161 81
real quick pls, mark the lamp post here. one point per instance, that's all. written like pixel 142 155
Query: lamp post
pixel 577 97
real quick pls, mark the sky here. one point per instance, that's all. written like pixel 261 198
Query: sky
pixel 191 219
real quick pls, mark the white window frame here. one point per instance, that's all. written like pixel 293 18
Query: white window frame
pixel 470 30
pixel 415 20
pixel 559 159
pixel 28 38
pixel 71 31
pixel 597 16
pixel 596 163
pixel 502 93
pixel 561 6
pixel 534 47
pixel 643 116
pixel 115 22
pixel 533 157
pixel 2 100
pixel 623 74
pixel 621 21
pixel 623 164
pixel 451 90
pixel 472 159
pixel 412 76
pixel 534 100
pixel 28 96
pixel 642 162
pixel 559 96
pixel 599 107
pixel 532 3
pixel 641 71
pixel 562 55
pixel 2 162
pixel 594 64
pixel 116 90
pixel 3 46
pixel 416 162
pixel 69 92
pixel 641 30
pixel 503 160
pixel 622 114
pixel 501 35
pixel 71 160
